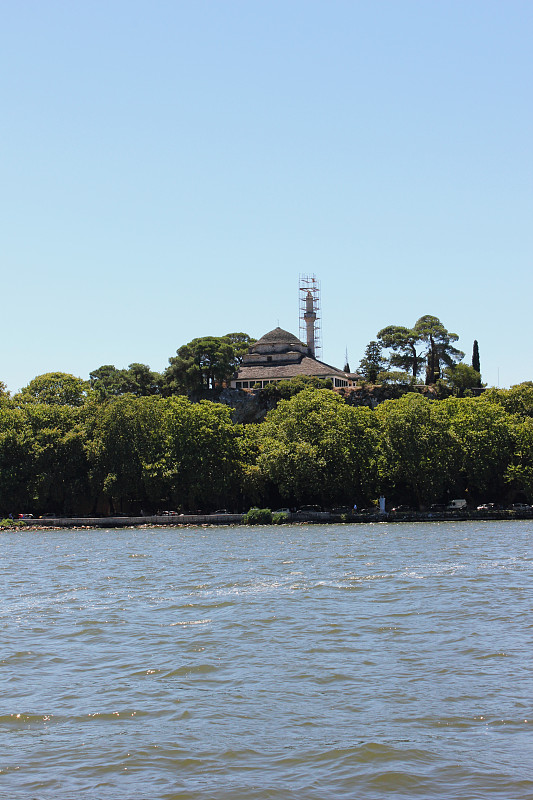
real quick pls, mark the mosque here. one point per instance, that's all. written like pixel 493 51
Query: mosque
pixel 280 356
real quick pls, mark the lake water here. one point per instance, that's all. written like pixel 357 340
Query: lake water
pixel 272 663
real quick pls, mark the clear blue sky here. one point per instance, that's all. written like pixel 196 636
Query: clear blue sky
pixel 168 169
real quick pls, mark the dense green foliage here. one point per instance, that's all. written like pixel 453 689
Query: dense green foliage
pixel 132 440
pixel 284 390
pixel 516 400
pixel 205 363
pixel 55 388
pixel 372 363
pixel 462 377
pixel 404 345
pixel 67 448
pixel 428 344
pixel 416 449
pixel 315 449
pixel 258 516
pixel 108 381
pixel 11 523
pixel 439 347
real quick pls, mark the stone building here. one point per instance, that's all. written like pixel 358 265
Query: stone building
pixel 280 356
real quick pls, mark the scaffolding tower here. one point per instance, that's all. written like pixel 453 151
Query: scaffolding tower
pixel 310 330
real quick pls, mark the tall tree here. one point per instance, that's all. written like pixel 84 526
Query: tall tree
pixel 17 461
pixel 141 381
pixel 373 362
pixel 138 379
pixel 205 362
pixel 60 467
pixel 55 388
pixel 202 453
pixel 108 381
pixel 417 451
pixel 485 434
pixel 439 347
pixel 475 356
pixel 126 451
pixel 519 472
pixel 241 343
pixel 404 345
pixel 475 360
pixel 315 448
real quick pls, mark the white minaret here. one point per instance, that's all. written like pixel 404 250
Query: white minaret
pixel 309 302
pixel 310 317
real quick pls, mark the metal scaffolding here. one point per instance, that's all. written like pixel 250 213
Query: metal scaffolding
pixel 310 330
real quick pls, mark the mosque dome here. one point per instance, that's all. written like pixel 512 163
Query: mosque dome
pixel 279 337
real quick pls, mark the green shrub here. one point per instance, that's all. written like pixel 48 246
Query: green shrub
pixel 279 517
pixel 258 516
pixel 11 523
pixel 284 390
pixel 396 377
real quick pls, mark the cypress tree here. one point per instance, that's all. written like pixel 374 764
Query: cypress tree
pixel 346 367
pixel 475 360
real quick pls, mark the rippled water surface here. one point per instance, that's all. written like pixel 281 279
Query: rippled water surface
pixel 298 662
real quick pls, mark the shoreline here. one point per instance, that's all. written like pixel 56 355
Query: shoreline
pixel 208 520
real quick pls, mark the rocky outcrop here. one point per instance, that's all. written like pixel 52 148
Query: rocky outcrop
pixel 247 407
pixel 252 407
pixel 371 396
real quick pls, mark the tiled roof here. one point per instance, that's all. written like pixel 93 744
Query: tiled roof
pixel 279 336
pixel 307 366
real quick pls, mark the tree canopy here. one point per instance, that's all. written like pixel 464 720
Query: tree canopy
pixel 129 453
pixel 439 347
pixel 55 388
pixel 205 363
pixel 372 362
pixel 427 344
pixel 404 343
pixel 139 380
pixel 461 377
pixel 132 439
pixel 416 450
pixel 315 448
pixel 516 400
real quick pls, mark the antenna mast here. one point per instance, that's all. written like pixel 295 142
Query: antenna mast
pixel 310 328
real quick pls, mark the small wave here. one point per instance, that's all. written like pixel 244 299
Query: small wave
pixel 14 658
pixel 244 589
pixel 189 669
pixel 24 719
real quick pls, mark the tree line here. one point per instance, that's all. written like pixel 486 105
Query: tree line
pixel 201 364
pixel 67 448
pixel 401 354
pixel 398 355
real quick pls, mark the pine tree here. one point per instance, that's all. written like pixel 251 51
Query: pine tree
pixel 373 362
pixel 439 347
pixel 404 344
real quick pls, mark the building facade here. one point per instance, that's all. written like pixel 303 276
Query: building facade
pixel 280 356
